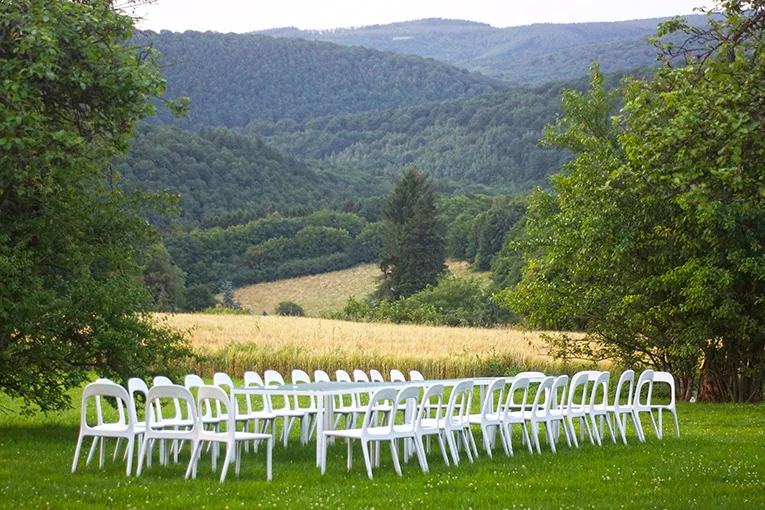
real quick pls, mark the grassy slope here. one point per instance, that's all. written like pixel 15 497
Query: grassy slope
pixel 326 292
pixel 719 462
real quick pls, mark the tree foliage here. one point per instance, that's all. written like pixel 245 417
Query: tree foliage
pixel 413 252
pixel 652 241
pixel 71 245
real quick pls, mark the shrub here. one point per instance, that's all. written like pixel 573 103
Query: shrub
pixel 290 309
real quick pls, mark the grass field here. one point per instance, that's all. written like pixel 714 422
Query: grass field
pixel 326 292
pixel 236 343
pixel 719 462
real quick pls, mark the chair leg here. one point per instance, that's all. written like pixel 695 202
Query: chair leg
pixel 92 451
pixel 573 432
pixel 453 447
pixel 101 452
pixel 394 455
pixel 77 453
pixel 323 454
pixel 420 450
pixel 367 461
pixel 550 436
pixel 130 444
pixel 471 441
pixel 142 456
pixel 116 449
pixel 269 458
pixel 350 453
pixel 442 446
pixel 238 446
pixel 195 450
pixel 677 425
pixel 230 448
pixel 465 433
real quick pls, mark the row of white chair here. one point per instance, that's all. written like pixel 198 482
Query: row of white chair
pixel 211 418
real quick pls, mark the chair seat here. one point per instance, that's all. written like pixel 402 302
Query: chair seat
pixel 176 422
pixel 477 419
pixel 257 415
pixel 297 413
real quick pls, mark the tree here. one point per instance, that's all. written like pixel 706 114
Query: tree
pixel 652 242
pixel 165 281
pixel 413 252
pixel 71 244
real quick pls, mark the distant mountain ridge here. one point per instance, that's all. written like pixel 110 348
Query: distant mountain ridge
pixel 508 53
pixel 234 79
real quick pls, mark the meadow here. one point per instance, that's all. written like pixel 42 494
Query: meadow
pixel 236 343
pixel 718 462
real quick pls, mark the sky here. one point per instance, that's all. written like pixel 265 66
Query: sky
pixel 251 15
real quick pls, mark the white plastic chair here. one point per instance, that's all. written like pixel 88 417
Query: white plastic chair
pixel 599 409
pixel 415 375
pixel 321 376
pixel 308 424
pixel 253 379
pixel 577 406
pixel 156 429
pixel 286 412
pixel 231 437
pixel 514 413
pixel 428 422
pixel 397 376
pixel 123 427
pixel 376 376
pixel 490 418
pixel 666 378
pixel 100 421
pixel 456 421
pixel 644 406
pixel 350 411
pixel 360 376
pixel 619 411
pixel 546 410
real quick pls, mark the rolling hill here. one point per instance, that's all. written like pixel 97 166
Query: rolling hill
pixel 532 54
pixel 233 79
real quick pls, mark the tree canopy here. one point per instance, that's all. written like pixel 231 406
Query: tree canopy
pixel 652 239
pixel 71 243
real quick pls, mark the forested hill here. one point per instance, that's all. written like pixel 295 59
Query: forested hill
pixel 532 54
pixel 486 144
pixel 233 79
pixel 224 177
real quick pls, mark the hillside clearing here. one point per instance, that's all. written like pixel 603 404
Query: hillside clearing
pixel 327 292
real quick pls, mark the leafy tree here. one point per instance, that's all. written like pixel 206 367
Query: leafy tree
pixel 229 301
pixel 71 245
pixel 413 253
pixel 199 297
pixel 289 309
pixel 165 281
pixel 652 242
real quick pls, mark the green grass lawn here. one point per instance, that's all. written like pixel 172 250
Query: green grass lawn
pixel 719 462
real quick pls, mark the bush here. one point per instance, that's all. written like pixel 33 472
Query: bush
pixel 222 310
pixel 199 297
pixel 290 309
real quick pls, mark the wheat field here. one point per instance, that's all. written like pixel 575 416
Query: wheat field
pixel 236 343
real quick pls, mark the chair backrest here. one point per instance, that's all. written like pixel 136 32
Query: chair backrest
pixel 96 391
pixel 532 375
pixel 600 387
pixel 460 399
pixel 342 376
pixel 376 376
pixel 321 376
pixel 177 394
pixel 360 376
pixel 161 380
pixel 136 385
pixel 272 377
pixel 372 416
pixel 513 406
pixel 559 392
pixel 666 378
pixel 645 380
pixel 493 398
pixel 221 379
pixel 253 379
pixel 193 381
pixel 626 380
pixel 300 377
pixel 397 376
pixel 213 394
pixel 543 398
pixel 430 410
pixel 577 402
pixel 407 399
pixel 415 375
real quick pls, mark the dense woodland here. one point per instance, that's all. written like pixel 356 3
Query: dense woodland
pixel 532 54
pixel 234 79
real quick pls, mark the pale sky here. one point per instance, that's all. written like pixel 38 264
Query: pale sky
pixel 250 15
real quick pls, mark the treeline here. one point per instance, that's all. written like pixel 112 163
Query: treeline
pixel 234 79
pixel 274 248
pixel 532 54
pixel 483 144
pixel 226 178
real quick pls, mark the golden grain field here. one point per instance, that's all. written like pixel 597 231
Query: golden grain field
pixel 236 343
pixel 326 292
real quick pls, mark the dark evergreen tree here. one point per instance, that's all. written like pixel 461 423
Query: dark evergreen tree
pixel 414 250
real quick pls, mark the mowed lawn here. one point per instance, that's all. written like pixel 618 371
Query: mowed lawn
pixel 719 462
